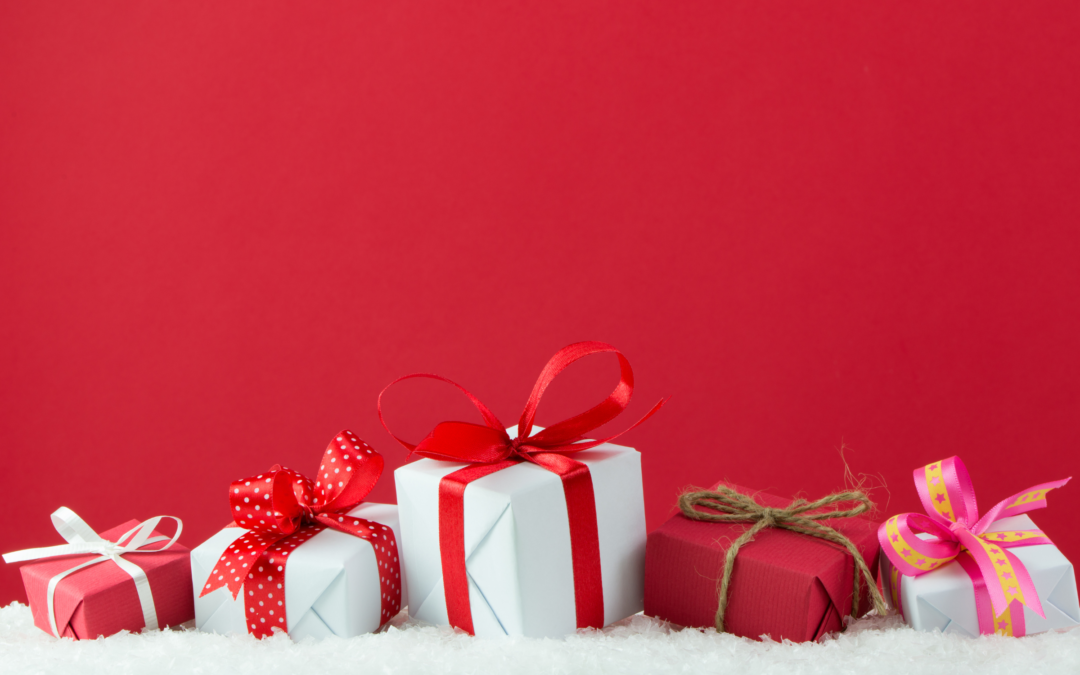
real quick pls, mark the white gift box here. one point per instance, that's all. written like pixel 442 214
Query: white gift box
pixel 945 598
pixel 517 543
pixel 331 582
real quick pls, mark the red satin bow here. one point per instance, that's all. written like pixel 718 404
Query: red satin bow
pixel 283 508
pixel 489 443
pixel 488 448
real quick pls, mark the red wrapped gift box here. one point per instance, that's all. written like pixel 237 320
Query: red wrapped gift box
pixel 784 584
pixel 101 599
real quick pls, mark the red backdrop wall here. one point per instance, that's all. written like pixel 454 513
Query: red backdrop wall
pixel 226 227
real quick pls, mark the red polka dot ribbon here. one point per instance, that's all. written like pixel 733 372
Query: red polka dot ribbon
pixel 282 509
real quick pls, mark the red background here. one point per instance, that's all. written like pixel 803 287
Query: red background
pixel 226 227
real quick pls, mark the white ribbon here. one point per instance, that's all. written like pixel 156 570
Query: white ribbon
pixel 83 540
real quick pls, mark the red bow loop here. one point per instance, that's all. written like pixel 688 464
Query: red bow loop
pixel 490 444
pixel 464 442
pixel 268 502
pixel 349 470
pixel 575 428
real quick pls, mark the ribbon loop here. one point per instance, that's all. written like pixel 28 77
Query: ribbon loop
pixel 73 528
pixel 576 427
pixel 952 526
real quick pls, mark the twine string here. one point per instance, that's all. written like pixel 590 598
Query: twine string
pixel 725 505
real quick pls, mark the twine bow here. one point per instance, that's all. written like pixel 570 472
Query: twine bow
pixel 799 516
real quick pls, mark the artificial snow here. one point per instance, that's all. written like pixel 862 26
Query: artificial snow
pixel 638 645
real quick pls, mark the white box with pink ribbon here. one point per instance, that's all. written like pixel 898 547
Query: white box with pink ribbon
pixel 958 570
pixel 945 600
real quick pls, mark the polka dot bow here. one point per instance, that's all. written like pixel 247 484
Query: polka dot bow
pixel 282 509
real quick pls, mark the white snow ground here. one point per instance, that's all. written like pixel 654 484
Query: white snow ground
pixel 639 645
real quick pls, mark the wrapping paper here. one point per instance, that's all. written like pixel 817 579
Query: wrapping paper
pixel 517 543
pixel 331 584
pixel 101 600
pixel 945 598
pixel 784 585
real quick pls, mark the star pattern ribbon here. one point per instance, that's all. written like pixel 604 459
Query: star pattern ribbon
pixel 282 509
pixel 955 531
pixel 488 448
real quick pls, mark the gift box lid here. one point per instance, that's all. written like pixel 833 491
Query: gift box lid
pixel 784 584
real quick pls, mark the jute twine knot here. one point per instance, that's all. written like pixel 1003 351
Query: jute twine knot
pixel 799 516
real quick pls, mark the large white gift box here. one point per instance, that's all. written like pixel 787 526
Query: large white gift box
pixel 331 587
pixel 945 598
pixel 517 543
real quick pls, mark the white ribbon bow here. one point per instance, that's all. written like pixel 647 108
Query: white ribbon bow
pixel 83 540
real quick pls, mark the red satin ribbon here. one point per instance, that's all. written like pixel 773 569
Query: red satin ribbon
pixel 282 509
pixel 488 448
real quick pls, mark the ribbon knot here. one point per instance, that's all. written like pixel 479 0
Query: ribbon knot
pixel 515 448
pixel 726 505
pixel 958 527
pixel 110 550
pixel 768 517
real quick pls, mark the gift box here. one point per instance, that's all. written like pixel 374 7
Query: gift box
pixel 130 577
pixel 303 556
pixel 784 584
pixel 525 530
pixel 517 543
pixel 945 600
pixel 331 585
pixel 954 571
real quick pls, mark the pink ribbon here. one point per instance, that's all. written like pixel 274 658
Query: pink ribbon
pixel 956 532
